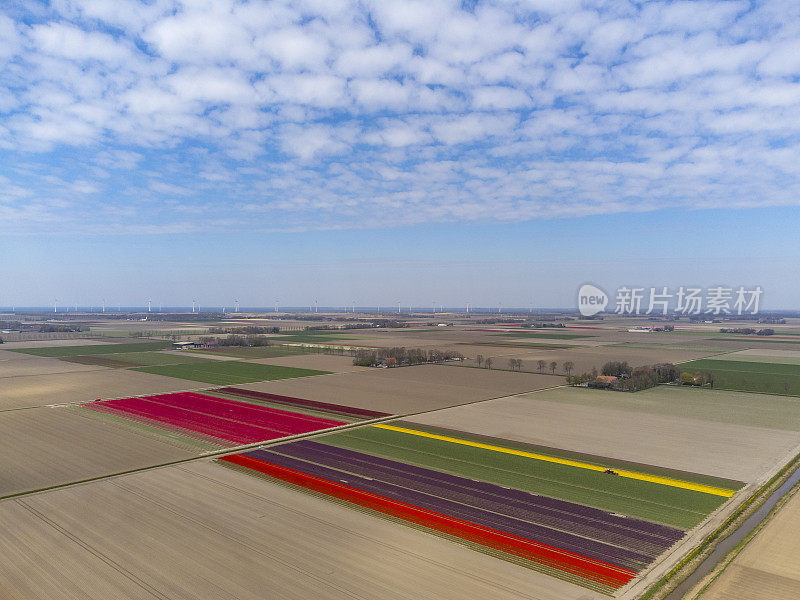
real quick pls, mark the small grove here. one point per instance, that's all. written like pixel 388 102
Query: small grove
pixel 401 356
pixel 620 376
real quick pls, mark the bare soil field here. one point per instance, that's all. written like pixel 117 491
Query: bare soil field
pixel 70 342
pixel 164 531
pixel 60 388
pixel 51 446
pixel 584 358
pixel 720 406
pixel 768 567
pixel 321 362
pixel 408 389
pixel 738 452
pixel 766 355
pixel 40 366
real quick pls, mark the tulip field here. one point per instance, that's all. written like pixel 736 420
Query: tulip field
pixel 558 514
pixel 219 420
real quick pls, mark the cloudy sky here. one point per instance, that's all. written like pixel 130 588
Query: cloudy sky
pixel 318 131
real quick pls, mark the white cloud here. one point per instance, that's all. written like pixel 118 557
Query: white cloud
pixel 76 44
pixel 499 97
pixel 507 109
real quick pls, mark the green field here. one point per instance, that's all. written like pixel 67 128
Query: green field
pixel 746 376
pixel 789 359
pixel 654 502
pixel 253 351
pixel 228 372
pixel 549 336
pixel 56 351
pixel 149 359
pixel 756 339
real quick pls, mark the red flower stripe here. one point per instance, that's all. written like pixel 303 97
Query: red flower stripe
pixel 551 556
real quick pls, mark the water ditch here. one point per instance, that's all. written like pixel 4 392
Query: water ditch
pixel 726 545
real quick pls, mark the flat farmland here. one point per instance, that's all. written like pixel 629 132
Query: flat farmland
pixel 247 353
pixel 767 567
pixel 453 452
pixel 51 343
pixel 720 406
pixel 322 362
pixel 227 372
pixel 739 452
pixel 52 446
pixel 75 350
pixel 767 355
pixel 167 529
pixel 750 376
pixel 221 421
pixel 408 389
pixel 583 358
pixel 26 365
pixel 149 359
pixel 60 388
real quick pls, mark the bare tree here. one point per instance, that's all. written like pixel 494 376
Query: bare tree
pixel 540 364
pixel 512 363
pixel 553 365
pixel 568 366
pixel 488 363
pixel 479 359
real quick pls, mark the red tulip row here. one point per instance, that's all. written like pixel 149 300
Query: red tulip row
pixel 570 562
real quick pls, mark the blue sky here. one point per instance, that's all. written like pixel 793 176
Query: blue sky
pixel 490 152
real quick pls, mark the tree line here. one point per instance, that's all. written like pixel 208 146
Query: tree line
pixel 402 356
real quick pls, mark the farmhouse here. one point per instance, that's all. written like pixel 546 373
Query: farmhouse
pixel 186 345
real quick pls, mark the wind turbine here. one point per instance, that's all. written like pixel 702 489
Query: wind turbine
pixel 467 307
pixel 55 305
pixel 193 302
pixel 149 307
pixel 236 306
pixel 104 305
pixel 276 305
pixel 316 306
pixel 398 307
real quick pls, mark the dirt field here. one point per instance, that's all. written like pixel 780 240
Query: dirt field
pixel 721 449
pixel 51 446
pixel 408 389
pixel 321 362
pixel 768 567
pixel 720 406
pixel 584 359
pixel 159 534
pixel 780 357
pixel 50 343
pixel 10 367
pixel 41 390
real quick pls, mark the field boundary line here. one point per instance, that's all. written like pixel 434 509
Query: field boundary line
pixel 235 449
pixel 696 487
pixel 94 551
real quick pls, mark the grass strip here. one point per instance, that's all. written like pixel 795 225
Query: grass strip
pixel 228 372
pixel 671 506
pixel 613 463
pixel 57 351
pixel 687 485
